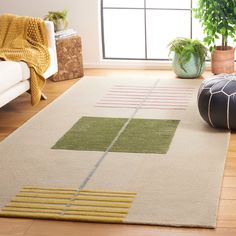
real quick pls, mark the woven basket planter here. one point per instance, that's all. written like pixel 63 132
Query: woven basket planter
pixel 222 61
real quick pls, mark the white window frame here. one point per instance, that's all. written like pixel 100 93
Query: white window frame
pixel 104 56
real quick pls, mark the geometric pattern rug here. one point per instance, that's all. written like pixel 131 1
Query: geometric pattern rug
pixel 119 150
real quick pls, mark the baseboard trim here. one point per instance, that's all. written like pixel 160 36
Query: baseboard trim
pixel 142 65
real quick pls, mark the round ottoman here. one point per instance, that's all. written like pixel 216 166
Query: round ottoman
pixel 217 101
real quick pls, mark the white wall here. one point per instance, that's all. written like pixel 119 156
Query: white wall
pixel 84 17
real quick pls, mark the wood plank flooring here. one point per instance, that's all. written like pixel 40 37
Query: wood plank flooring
pixel 17 112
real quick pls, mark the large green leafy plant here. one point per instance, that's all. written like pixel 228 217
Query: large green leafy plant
pixel 185 48
pixel 218 18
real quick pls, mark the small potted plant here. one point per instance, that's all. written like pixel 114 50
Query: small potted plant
pixel 189 57
pixel 59 18
pixel 218 19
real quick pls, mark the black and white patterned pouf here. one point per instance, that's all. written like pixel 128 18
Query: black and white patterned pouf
pixel 217 101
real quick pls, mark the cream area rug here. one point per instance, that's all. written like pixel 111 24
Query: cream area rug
pixel 92 155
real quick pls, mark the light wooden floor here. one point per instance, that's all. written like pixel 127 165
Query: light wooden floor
pixel 18 111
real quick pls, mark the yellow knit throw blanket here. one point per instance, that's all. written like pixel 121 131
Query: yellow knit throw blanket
pixel 25 39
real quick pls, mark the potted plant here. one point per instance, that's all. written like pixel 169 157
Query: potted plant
pixel 218 19
pixel 189 57
pixel 59 18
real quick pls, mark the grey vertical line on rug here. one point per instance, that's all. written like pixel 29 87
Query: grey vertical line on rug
pixel 96 166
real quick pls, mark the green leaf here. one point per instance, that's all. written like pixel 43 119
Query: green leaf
pixel 217 17
pixel 185 47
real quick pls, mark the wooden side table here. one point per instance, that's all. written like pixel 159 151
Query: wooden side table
pixel 69 57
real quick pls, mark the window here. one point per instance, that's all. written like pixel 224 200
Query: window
pixel 142 29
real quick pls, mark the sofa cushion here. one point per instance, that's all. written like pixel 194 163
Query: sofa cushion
pixel 50 70
pixel 10 74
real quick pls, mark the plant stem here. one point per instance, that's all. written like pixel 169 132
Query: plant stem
pixel 224 43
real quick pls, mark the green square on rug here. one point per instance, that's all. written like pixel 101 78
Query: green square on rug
pixel 91 134
pixel 146 136
pixel 139 136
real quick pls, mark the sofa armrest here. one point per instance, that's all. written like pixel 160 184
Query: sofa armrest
pixel 53 68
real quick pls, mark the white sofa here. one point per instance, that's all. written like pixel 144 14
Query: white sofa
pixel 14 76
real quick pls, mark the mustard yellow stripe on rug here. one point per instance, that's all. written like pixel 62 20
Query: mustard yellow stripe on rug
pixel 46 191
pixel 46 195
pixel 62 217
pixel 102 191
pixel 50 189
pixel 63 208
pixel 70 204
pixel 106 194
pixel 69 196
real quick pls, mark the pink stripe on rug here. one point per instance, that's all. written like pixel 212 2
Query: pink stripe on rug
pixel 134 107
